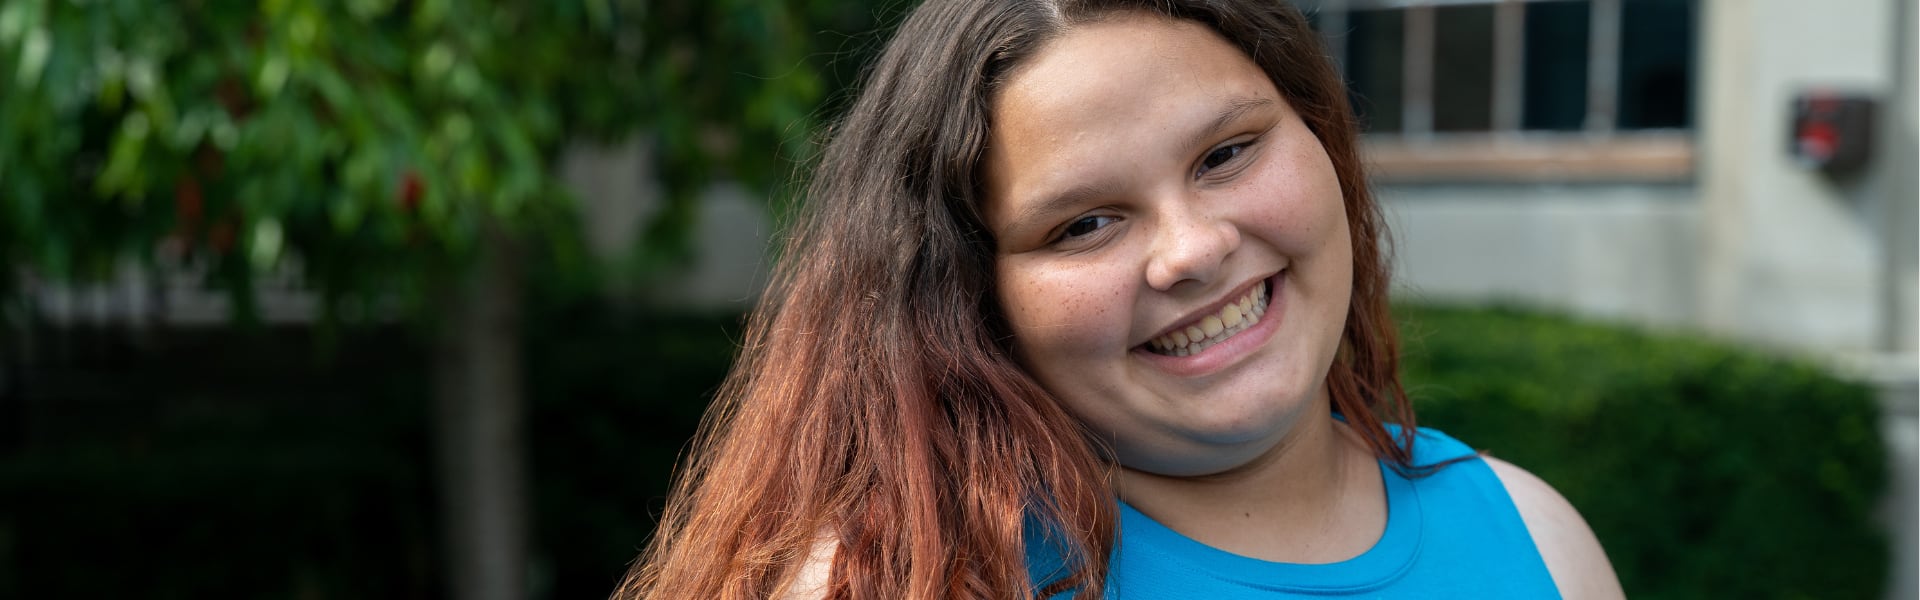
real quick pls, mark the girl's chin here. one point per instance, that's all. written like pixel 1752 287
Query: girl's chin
pixel 1201 449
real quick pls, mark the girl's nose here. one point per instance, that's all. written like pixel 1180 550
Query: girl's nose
pixel 1189 245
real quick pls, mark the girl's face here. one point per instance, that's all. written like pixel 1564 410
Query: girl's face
pixel 1173 254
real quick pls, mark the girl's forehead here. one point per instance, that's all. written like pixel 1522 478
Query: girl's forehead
pixel 1117 54
pixel 1130 70
pixel 1106 98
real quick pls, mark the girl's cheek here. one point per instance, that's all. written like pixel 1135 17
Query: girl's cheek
pixel 1055 307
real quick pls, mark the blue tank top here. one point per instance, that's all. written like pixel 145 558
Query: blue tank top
pixel 1452 534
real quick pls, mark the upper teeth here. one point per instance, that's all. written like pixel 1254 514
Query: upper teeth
pixel 1233 318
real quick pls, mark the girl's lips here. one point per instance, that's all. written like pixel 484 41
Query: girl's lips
pixel 1227 352
pixel 1233 316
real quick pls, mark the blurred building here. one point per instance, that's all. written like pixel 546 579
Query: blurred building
pixel 1742 167
pixel 1641 159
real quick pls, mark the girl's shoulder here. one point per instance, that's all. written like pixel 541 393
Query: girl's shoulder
pixel 1566 544
pixel 1573 554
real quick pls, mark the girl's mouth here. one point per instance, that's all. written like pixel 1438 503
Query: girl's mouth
pixel 1197 336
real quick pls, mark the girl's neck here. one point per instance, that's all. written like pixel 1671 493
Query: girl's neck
pixel 1315 497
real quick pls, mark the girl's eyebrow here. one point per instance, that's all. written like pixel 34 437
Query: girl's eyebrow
pixel 1236 108
pixel 1067 199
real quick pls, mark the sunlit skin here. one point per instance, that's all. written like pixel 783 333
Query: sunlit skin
pixel 1141 173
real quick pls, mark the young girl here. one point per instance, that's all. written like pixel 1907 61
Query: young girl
pixel 1089 298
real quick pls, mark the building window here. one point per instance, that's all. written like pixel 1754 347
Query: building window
pixel 1541 89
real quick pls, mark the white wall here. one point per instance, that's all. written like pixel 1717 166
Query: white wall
pixel 1623 252
pixel 1791 257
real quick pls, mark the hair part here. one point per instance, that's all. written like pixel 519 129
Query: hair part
pixel 876 402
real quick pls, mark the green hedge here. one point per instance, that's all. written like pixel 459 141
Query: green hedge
pixel 1706 471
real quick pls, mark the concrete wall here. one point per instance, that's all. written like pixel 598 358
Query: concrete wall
pixel 1901 190
pixel 1900 198
pixel 1791 256
pixel 1623 252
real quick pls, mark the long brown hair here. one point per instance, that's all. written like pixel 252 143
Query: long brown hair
pixel 876 405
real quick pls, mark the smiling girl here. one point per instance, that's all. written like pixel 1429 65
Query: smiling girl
pixel 1089 298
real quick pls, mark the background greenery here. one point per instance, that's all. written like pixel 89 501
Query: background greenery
pixel 375 141
pixel 1706 471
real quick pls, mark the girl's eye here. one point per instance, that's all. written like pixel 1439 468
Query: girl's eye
pixel 1220 156
pixel 1085 226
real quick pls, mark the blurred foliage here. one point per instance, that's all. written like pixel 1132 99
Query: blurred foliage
pixel 1706 471
pixel 374 140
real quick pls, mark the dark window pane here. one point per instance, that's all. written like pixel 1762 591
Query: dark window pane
pixel 1556 65
pixel 1333 41
pixel 1374 53
pixel 1463 68
pixel 1656 66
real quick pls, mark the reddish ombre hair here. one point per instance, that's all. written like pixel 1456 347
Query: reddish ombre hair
pixel 876 403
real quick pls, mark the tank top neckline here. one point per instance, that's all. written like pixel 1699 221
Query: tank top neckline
pixel 1388 559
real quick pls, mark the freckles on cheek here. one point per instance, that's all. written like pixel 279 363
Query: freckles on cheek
pixel 1052 311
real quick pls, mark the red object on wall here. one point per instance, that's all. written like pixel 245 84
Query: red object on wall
pixel 1831 132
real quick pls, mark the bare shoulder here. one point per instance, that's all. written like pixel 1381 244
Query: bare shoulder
pixel 1572 553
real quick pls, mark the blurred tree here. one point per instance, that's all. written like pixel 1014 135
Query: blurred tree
pixel 397 155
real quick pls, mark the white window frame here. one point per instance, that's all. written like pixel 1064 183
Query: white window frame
pixel 1599 151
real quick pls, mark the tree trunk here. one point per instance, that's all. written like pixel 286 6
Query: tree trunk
pixel 479 431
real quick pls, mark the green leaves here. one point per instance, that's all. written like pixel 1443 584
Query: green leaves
pixel 369 139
